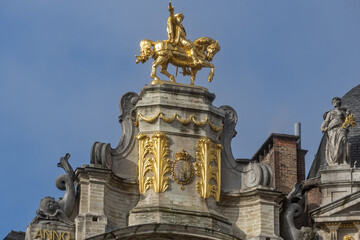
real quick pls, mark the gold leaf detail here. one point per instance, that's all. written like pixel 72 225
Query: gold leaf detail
pixel 349 121
pixel 159 164
pixel 208 168
pixel 177 117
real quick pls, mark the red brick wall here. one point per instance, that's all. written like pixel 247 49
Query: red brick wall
pixel 301 165
pixel 286 164
pixel 313 200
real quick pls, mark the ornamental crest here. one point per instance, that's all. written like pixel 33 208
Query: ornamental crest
pixel 182 170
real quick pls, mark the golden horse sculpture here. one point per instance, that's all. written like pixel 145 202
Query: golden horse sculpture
pixel 164 52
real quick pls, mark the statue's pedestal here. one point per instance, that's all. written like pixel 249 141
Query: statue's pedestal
pixel 338 214
pixel 49 230
pixel 338 181
pixel 171 118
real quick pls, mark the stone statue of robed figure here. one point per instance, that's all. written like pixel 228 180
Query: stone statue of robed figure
pixel 336 127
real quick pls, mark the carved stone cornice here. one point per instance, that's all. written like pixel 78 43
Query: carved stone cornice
pixel 91 174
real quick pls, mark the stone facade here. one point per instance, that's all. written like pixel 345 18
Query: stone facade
pixel 253 212
pixel 136 191
pixel 104 202
pixel 338 216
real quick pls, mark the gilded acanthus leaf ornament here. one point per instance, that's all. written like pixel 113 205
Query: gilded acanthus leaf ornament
pixel 208 168
pixel 144 163
pixel 158 163
pixel 179 51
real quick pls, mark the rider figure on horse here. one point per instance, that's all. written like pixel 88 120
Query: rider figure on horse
pixel 177 34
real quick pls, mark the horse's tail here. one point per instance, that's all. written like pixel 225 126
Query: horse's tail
pixel 146 50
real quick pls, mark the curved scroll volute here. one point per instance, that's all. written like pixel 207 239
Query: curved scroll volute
pixel 59 211
pixel 101 153
pixel 292 209
pixel 236 174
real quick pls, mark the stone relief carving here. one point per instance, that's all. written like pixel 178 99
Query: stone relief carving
pixel 251 174
pixel 61 210
pixel 102 153
pixel 336 127
pixel 176 116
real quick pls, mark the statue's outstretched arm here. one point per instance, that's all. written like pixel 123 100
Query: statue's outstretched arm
pixel 171 10
pixel 170 23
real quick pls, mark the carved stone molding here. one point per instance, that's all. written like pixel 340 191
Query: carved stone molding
pixel 176 116
pixel 208 168
pixel 157 163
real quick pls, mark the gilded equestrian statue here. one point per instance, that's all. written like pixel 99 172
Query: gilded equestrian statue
pixel 179 51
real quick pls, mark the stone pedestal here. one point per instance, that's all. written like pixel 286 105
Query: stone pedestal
pixel 254 212
pixel 105 201
pixel 91 219
pixel 174 121
pixel 338 215
pixel 337 182
pixel 50 230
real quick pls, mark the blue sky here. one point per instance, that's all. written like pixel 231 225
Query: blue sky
pixel 65 64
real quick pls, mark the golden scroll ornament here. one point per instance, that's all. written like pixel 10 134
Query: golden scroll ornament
pixel 182 170
pixel 177 117
pixel 158 163
pixel 208 168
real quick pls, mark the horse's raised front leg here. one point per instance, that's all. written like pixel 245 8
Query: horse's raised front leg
pixel 211 74
pixel 164 71
pixel 211 66
pixel 193 75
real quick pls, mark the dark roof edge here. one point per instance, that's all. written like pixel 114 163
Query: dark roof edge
pixel 269 139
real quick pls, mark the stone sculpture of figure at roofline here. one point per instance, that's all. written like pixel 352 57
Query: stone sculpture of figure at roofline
pixel 179 51
pixel 336 125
